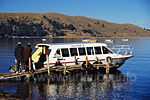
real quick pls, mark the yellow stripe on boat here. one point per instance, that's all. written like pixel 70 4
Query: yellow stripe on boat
pixel 35 56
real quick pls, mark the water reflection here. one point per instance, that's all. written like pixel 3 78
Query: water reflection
pixel 74 86
pixel 88 86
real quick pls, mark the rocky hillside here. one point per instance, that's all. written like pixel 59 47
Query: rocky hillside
pixel 59 25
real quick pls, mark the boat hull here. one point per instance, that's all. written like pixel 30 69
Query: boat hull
pixel 115 61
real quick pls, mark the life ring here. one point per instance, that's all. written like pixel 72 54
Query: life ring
pixel 109 60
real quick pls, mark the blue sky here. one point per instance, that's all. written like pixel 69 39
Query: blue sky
pixel 136 12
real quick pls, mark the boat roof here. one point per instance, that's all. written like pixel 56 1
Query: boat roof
pixel 73 44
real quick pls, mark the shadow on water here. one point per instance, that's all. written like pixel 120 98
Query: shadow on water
pixel 80 85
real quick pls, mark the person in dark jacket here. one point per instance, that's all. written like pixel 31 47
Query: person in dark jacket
pixel 27 54
pixel 19 54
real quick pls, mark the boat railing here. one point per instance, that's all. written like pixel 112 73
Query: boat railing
pixel 122 49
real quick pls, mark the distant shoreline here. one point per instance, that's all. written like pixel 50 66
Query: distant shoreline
pixel 67 37
pixel 35 25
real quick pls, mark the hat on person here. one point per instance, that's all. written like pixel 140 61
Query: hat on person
pixel 19 43
pixel 29 44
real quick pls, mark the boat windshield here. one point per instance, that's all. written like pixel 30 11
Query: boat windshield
pixel 106 50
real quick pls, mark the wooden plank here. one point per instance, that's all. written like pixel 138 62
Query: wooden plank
pixel 56 68
pixel 1 74
pixel 13 75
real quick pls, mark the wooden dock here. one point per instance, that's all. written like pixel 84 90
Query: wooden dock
pixel 6 96
pixel 48 69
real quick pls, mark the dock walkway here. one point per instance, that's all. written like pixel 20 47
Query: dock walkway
pixel 53 68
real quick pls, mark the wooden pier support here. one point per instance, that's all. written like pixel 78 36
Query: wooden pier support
pixel 21 68
pixel 107 69
pixel 48 65
pixel 29 65
pixel 96 58
pixel 29 74
pixel 55 68
pixel 65 67
pixel 86 61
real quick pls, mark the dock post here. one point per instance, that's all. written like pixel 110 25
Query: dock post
pixel 107 69
pixel 86 61
pixel 96 58
pixel 48 65
pixel 65 69
pixel 29 65
pixel 75 59
pixel 21 68
pixel 97 61
pixel 29 74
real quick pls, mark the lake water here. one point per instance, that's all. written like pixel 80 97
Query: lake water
pixel 130 82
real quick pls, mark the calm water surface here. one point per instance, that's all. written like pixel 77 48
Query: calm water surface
pixel 131 81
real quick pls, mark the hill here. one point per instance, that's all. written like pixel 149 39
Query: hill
pixel 59 25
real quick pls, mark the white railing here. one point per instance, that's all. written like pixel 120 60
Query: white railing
pixel 122 49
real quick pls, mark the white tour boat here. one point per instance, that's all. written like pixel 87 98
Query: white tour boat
pixel 65 52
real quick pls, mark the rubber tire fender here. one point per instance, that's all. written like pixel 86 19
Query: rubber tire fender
pixel 109 60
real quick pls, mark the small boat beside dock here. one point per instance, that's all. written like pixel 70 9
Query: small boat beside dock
pixel 124 39
pixel 89 40
pixel 109 41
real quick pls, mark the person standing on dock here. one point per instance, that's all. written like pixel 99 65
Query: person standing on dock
pixel 27 54
pixel 19 54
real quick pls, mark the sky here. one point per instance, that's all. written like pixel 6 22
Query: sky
pixel 135 12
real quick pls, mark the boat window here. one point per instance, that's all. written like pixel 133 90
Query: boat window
pixel 106 51
pixel 49 51
pixel 90 50
pixel 98 50
pixel 44 49
pixel 82 51
pixel 65 52
pixel 73 51
pixel 57 54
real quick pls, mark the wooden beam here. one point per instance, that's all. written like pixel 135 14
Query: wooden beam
pixel 65 69
pixel 107 69
pixel 29 65
pixel 86 61
pixel 48 65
